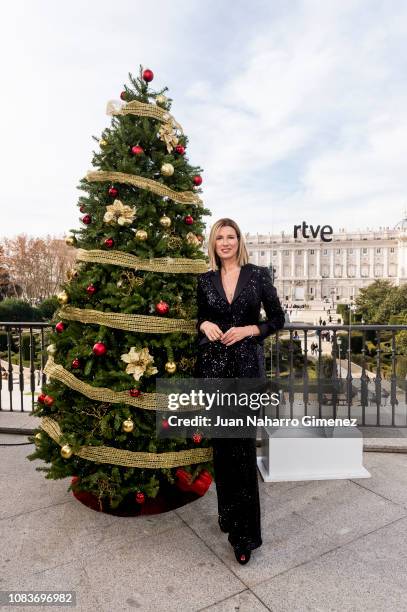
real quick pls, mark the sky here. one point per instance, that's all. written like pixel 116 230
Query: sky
pixel 295 109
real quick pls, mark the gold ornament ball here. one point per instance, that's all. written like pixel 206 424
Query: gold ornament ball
pixel 141 235
pixel 63 297
pixel 167 169
pixel 165 221
pixel 70 240
pixel 171 367
pixel 66 451
pixel 51 349
pixel 38 437
pixel 102 142
pixel 160 99
pixel 127 425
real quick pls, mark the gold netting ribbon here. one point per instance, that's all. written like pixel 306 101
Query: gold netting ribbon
pixel 148 401
pixel 183 197
pixel 171 265
pixel 129 322
pixel 142 110
pixel 167 131
pixel 126 458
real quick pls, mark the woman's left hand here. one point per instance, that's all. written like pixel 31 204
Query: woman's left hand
pixel 234 334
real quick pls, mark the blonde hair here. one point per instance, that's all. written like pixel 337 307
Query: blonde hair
pixel 242 254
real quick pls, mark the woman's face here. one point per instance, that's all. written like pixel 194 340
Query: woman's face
pixel 226 243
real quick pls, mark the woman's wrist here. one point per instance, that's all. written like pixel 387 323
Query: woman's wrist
pixel 253 330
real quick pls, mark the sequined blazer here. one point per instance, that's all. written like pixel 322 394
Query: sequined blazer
pixel 254 287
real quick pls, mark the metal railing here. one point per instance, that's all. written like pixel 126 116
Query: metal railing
pixel 346 382
pixel 313 376
pixel 17 379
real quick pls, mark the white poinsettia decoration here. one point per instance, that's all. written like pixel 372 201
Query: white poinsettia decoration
pixel 139 362
pixel 119 213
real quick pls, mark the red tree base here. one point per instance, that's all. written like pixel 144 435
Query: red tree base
pixel 168 498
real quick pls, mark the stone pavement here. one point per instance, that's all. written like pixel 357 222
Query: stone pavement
pixel 328 546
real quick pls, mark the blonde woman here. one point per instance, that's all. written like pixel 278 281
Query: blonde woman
pixel 230 339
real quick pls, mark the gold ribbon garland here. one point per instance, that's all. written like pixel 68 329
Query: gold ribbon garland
pixel 147 324
pixel 182 197
pixel 167 131
pixel 126 458
pixel 142 110
pixel 170 265
pixel 147 401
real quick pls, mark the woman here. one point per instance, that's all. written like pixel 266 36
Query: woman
pixel 230 344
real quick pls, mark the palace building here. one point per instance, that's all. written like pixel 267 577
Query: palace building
pixel 310 269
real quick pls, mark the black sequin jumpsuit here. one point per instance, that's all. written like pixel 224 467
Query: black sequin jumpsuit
pixel 234 459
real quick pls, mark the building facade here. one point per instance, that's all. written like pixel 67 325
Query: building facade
pixel 307 269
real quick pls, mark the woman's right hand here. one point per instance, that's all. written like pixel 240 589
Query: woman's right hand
pixel 211 331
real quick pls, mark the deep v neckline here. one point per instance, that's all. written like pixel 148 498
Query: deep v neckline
pixel 234 292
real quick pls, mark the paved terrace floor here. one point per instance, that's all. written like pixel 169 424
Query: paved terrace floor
pixel 328 546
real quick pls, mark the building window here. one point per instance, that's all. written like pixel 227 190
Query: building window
pixel 274 252
pixel 312 253
pixel 338 251
pixel 299 252
pixel 364 251
pixel 378 250
pixel 261 253
pixel 392 250
pixel 325 251
pixel 285 252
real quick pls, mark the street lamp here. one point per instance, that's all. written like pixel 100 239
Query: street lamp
pixel 339 347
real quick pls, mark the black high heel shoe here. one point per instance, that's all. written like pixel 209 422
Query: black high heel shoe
pixel 223 525
pixel 242 554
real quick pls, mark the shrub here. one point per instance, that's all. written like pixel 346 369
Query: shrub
pixel 13 309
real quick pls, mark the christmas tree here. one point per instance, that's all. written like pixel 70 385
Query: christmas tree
pixel 127 311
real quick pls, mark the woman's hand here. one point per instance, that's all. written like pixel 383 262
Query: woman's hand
pixel 234 334
pixel 211 331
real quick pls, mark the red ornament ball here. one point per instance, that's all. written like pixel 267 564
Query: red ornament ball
pixel 180 149
pixel 48 400
pixel 41 398
pixel 162 307
pixel 197 180
pixel 99 349
pixel 87 219
pixel 148 75
pixel 123 95
pixel 165 424
pixel 91 289
pixel 113 191
pixel 197 438
pixel 82 208
pixel 135 392
pixel 189 220
pixel 76 363
pixel 109 242
pixel 140 497
pixel 137 150
pixel 60 327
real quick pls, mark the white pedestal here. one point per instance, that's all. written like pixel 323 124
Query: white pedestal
pixel 308 453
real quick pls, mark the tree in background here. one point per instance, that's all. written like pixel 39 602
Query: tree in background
pixel 127 313
pixel 370 299
pixel 37 267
